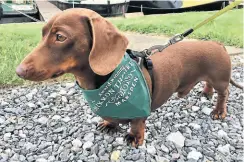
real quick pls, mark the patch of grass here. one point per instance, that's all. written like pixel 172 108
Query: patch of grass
pixel 228 28
pixel 16 41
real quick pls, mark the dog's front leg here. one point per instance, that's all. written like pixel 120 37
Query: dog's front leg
pixel 108 126
pixel 136 135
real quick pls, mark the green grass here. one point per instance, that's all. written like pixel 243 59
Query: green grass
pixel 228 28
pixel 17 40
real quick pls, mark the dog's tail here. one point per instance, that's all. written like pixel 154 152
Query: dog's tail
pixel 236 84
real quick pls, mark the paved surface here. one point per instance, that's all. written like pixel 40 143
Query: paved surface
pixel 142 41
pixel 47 9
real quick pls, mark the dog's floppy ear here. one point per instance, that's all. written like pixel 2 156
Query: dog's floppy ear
pixel 108 47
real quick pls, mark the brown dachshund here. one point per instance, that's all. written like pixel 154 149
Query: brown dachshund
pixel 81 42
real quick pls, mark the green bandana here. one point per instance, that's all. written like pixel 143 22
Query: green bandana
pixel 124 96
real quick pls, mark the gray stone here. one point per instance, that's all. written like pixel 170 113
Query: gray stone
pixel 161 159
pixel 21 134
pixel 6 136
pixel 41 160
pixel 96 120
pixel 59 130
pixel 64 99
pixel 22 158
pixel 151 150
pixel 224 149
pixel 62 92
pixel 204 100
pixel 31 158
pixel 31 105
pixel 164 148
pixel 29 96
pixel 51 159
pixel 95 149
pixel 76 143
pixel 177 138
pixel 87 145
pixel 194 155
pixel 66 119
pixel 105 157
pixel 71 92
pixel 135 157
pixel 101 152
pixel 175 156
pixel 169 114
pixel 45 155
pixel 2 119
pixel 73 130
pixel 56 117
pixel 193 143
pixel 4 157
pixel 10 110
pixel 30 146
pixel 194 126
pixel 195 108
pixel 53 95
pixel 15 157
pixel 89 137
pixel 34 91
pixel 3 103
pixel 9 152
pixel 222 134
pixel 65 155
pixel 42 120
pixel 119 140
pixel 207 110
pixel 69 85
pixel 44 145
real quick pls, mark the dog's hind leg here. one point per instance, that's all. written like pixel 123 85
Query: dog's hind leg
pixel 220 110
pixel 208 91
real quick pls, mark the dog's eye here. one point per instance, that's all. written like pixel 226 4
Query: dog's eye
pixel 60 37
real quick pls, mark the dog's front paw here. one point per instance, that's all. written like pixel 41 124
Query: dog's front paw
pixel 107 127
pixel 218 114
pixel 133 140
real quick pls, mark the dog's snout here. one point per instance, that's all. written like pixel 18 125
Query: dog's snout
pixel 21 71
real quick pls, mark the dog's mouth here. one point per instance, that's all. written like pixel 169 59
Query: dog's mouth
pixel 59 73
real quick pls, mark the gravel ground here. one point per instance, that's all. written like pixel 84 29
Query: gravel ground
pixel 53 123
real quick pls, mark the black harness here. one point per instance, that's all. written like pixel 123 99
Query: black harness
pixel 142 57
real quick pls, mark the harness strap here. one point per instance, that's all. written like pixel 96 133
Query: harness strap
pixel 142 59
pixel 149 66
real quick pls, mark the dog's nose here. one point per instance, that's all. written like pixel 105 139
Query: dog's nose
pixel 21 71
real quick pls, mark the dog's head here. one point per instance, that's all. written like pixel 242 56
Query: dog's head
pixel 74 40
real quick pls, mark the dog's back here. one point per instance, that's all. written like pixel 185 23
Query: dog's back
pixel 180 66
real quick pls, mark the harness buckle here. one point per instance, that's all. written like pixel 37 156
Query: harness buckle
pixel 176 38
pixel 146 52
